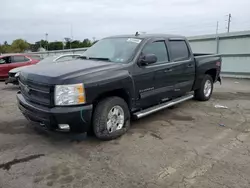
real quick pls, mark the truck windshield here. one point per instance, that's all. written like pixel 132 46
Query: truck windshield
pixel 118 50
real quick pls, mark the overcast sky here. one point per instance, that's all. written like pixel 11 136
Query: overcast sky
pixel 31 19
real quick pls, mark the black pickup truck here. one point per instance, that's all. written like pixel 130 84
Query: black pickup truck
pixel 118 78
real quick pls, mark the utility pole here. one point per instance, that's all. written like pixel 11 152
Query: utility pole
pixel 217 28
pixel 217 38
pixel 71 31
pixel 229 22
pixel 46 38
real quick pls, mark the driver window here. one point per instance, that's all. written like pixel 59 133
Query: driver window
pixel 2 61
pixel 158 48
pixel 5 60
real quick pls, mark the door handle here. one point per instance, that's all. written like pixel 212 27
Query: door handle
pixel 190 65
pixel 168 70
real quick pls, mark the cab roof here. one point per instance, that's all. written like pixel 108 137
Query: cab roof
pixel 147 36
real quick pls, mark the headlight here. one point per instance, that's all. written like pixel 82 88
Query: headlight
pixel 69 94
pixel 17 74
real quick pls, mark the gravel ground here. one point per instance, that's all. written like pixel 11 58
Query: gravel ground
pixel 191 145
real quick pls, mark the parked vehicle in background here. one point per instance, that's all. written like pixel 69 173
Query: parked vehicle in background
pixel 118 77
pixel 8 62
pixel 13 73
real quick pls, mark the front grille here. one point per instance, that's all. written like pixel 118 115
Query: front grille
pixel 36 92
pixel 11 74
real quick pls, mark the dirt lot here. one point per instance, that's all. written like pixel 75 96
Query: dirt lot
pixel 191 145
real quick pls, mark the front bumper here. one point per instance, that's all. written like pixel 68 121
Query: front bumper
pixel 12 80
pixel 77 117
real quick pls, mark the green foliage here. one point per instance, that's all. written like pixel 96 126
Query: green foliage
pixel 20 45
pixel 17 46
pixel 5 48
pixel 56 45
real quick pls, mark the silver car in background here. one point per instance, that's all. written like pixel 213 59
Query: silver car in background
pixel 14 73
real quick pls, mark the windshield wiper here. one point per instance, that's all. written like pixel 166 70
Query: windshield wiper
pixel 100 58
pixel 95 58
pixel 82 57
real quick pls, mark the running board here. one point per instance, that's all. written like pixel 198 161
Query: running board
pixel 159 107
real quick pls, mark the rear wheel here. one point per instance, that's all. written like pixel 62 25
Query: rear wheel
pixel 111 118
pixel 206 89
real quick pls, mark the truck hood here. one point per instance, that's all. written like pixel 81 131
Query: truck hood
pixel 18 69
pixel 63 72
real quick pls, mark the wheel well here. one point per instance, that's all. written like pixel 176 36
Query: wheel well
pixel 118 92
pixel 212 73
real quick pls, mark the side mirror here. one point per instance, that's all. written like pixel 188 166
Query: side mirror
pixel 148 59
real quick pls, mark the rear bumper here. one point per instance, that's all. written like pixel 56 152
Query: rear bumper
pixel 78 118
pixel 12 80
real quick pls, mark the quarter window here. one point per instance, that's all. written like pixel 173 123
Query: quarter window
pixel 26 59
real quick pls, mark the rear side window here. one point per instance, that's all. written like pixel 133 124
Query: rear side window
pixel 179 50
pixel 157 48
pixel 17 59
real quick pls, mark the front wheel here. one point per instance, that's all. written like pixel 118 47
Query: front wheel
pixel 206 89
pixel 111 118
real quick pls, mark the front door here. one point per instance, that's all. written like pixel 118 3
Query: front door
pixel 4 67
pixel 154 83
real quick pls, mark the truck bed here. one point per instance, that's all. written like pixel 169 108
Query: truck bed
pixel 204 62
pixel 202 58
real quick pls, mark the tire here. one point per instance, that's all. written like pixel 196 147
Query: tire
pixel 101 118
pixel 201 94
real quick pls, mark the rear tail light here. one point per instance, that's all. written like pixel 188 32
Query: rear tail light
pixel 218 63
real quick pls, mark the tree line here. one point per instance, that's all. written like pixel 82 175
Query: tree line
pixel 20 45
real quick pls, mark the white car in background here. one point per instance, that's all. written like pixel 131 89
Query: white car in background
pixel 14 73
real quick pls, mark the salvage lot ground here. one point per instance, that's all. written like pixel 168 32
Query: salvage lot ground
pixel 182 147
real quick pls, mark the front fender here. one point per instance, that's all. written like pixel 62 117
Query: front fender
pixel 108 82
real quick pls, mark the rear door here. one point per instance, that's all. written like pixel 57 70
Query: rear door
pixel 183 64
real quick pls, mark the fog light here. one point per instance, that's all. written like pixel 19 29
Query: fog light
pixel 64 126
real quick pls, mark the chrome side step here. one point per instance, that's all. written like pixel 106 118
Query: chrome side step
pixel 159 107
